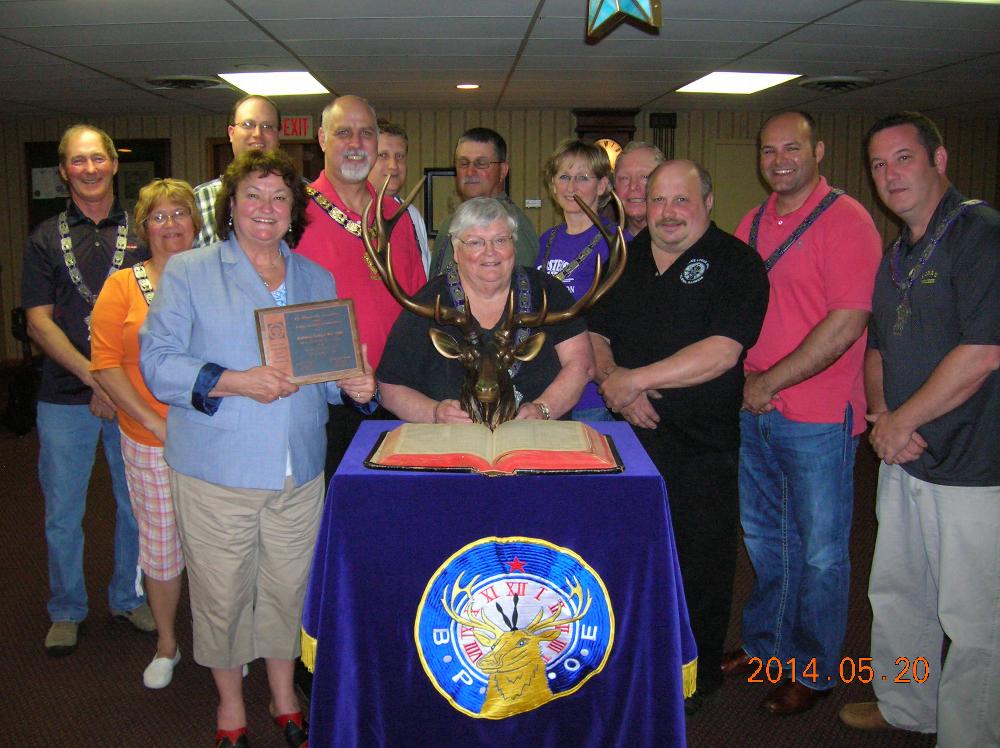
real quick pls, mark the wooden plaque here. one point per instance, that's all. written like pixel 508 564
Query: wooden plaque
pixel 314 342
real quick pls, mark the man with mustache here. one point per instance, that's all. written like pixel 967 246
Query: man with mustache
pixel 669 340
pixel 632 169
pixel 803 409
pixel 481 167
pixel 349 139
pixel 254 122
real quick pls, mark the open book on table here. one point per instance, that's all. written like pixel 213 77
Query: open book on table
pixel 515 447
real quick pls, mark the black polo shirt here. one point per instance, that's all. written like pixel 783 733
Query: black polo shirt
pixel 955 301
pixel 717 287
pixel 45 281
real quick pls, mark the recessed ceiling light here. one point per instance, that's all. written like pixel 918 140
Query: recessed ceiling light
pixel 736 83
pixel 275 84
pixel 467 86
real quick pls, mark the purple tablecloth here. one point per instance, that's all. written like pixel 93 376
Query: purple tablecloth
pixel 387 537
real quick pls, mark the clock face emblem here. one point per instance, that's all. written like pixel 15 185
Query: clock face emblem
pixel 508 624
pixel 611 147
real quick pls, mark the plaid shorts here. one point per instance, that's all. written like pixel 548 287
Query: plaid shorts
pixel 160 555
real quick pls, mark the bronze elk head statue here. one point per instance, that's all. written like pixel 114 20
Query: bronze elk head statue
pixel 487 393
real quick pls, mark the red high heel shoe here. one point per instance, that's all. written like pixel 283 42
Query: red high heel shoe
pixel 231 738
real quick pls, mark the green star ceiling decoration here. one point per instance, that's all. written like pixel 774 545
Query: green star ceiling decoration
pixel 604 15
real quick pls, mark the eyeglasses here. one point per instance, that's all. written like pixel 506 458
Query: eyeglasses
pixel 478 244
pixel 250 125
pixel 581 179
pixel 159 218
pixel 480 163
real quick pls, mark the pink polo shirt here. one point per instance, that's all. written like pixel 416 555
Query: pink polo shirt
pixel 831 266
pixel 329 244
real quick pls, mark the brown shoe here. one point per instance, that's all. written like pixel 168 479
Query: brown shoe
pixel 736 663
pixel 864 715
pixel 792 698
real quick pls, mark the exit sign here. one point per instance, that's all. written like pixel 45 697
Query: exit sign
pixel 297 126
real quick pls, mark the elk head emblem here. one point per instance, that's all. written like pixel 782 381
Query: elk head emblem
pixel 487 393
pixel 517 680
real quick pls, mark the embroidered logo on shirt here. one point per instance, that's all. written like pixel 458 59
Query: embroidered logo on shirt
pixel 508 624
pixel 929 278
pixel 694 271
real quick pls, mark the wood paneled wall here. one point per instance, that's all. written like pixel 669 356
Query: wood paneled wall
pixel 973 151
pixel 973 145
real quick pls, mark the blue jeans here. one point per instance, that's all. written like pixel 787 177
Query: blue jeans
pixel 796 499
pixel 68 437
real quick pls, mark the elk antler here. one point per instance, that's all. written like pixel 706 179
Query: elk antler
pixel 617 256
pixel 538 624
pixel 482 624
pixel 381 255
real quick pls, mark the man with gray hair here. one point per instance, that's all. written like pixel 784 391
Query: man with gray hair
pixel 632 169
pixel 254 122
pixel 481 167
pixel 349 139
pixel 680 384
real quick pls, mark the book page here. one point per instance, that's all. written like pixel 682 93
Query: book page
pixel 555 436
pixel 444 439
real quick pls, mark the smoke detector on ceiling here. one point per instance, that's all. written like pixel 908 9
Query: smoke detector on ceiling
pixel 186 82
pixel 836 83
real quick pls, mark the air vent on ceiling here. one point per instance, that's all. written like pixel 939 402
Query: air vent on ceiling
pixel 836 83
pixel 185 82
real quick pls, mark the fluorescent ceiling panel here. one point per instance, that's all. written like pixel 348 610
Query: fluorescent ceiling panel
pixel 275 84
pixel 736 83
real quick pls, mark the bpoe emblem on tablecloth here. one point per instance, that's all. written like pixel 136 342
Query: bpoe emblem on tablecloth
pixel 508 624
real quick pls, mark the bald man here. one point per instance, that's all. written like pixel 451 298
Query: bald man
pixel 670 339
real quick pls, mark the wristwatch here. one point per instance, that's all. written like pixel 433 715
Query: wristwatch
pixel 543 410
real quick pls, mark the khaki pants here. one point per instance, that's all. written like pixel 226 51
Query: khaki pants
pixel 936 572
pixel 248 554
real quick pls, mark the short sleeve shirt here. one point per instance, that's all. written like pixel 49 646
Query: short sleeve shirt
pixel 558 250
pixel 46 281
pixel 955 301
pixel 831 266
pixel 717 287
pixel 204 197
pixel 331 246
pixel 118 316
pixel 411 360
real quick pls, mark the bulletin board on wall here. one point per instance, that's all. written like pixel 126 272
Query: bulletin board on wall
pixel 139 161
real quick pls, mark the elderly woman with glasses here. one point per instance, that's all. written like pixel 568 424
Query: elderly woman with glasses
pixel 245 445
pixel 569 252
pixel 166 219
pixel 420 385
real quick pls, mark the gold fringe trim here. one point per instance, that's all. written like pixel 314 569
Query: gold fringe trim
pixel 309 652
pixel 689 672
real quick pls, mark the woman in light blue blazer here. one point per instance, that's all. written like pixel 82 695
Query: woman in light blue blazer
pixel 245 445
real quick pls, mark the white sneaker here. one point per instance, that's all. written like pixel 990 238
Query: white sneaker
pixel 160 671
